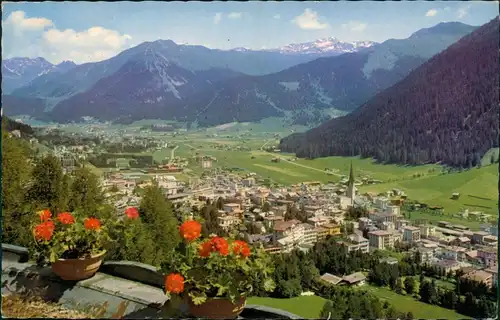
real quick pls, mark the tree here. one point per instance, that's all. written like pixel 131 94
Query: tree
pixel 219 204
pixel 425 291
pixel 326 311
pixel 48 189
pixel 211 223
pixel 161 222
pixel 354 213
pixel 409 285
pixel 399 286
pixel 291 212
pixel 421 278
pixel 308 272
pixel 486 308
pixel 133 243
pixel 289 288
pixel 16 204
pixel 266 207
pixel 450 299
pixel 86 194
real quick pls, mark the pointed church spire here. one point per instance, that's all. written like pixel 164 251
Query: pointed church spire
pixel 351 175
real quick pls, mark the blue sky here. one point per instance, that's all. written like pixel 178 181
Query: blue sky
pixel 85 31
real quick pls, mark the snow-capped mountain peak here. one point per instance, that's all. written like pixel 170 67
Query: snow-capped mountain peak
pixel 20 71
pixel 329 45
pixel 241 49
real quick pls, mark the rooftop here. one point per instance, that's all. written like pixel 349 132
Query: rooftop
pixel 330 278
pixel 284 225
pixel 446 263
pixel 380 233
pixel 411 228
pixel 354 278
pixel 478 275
pixel 481 233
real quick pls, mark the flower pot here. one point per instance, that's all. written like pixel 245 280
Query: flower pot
pixel 217 308
pixel 78 269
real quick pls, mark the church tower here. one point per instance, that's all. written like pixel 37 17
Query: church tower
pixel 351 189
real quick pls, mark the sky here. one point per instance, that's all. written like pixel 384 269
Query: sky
pixel 87 32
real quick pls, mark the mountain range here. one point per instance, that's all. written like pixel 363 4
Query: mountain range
pixel 18 72
pixel 444 111
pixel 326 46
pixel 192 83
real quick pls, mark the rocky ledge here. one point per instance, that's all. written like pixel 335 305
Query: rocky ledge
pixel 121 289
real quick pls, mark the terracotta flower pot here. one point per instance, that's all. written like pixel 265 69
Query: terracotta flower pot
pixel 217 308
pixel 78 269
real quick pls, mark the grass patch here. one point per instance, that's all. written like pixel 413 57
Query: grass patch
pixel 370 168
pixel 420 310
pixel 280 170
pixel 308 307
pixel 478 189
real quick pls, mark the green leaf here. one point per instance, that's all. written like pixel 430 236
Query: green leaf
pixel 269 285
pixel 198 298
pixel 53 257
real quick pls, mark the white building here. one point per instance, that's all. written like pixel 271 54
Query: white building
pixel 227 222
pixel 411 234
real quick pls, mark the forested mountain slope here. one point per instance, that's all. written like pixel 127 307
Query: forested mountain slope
pixel 444 111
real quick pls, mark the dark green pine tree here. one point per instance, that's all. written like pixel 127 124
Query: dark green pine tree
pixel 86 193
pixel 158 215
pixel 49 187
pixel 17 208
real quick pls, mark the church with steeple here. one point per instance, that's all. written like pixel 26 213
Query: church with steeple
pixel 351 188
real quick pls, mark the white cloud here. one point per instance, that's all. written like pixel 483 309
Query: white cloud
pixel 463 11
pixel 309 20
pixel 431 13
pixel 217 17
pixel 234 15
pixel 18 20
pixel 276 16
pixel 39 37
pixel 93 44
pixel 356 26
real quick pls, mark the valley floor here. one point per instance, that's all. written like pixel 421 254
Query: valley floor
pixel 310 307
pixel 248 151
pixel 428 184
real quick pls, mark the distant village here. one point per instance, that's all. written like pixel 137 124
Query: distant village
pixel 444 246
pixel 247 201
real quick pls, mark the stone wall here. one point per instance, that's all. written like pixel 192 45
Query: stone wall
pixel 121 289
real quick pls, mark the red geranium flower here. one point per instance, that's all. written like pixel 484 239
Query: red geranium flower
pixel 190 230
pixel 132 213
pixel 92 224
pixel 45 215
pixel 44 231
pixel 66 218
pixel 221 245
pixel 205 249
pixel 241 248
pixel 245 252
pixel 174 283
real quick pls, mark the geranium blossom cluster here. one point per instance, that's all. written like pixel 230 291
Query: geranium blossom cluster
pixel 45 229
pixel 191 231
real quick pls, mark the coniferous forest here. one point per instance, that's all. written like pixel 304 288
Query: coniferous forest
pixel 444 111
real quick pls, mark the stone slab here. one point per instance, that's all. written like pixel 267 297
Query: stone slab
pixel 127 289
